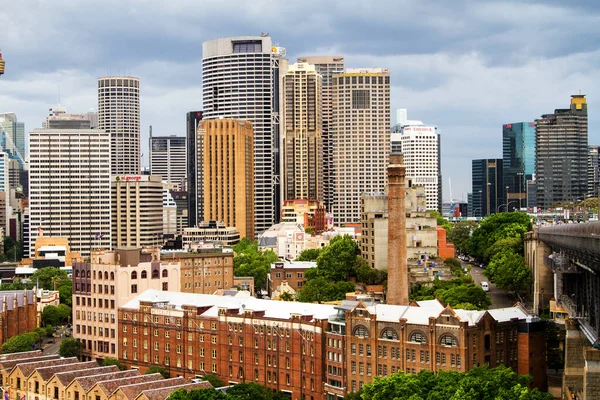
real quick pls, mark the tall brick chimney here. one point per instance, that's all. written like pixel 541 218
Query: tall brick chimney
pixel 397 292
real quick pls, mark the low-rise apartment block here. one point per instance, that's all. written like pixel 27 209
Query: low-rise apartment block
pixel 290 271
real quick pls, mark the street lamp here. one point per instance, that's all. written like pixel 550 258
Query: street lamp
pixel 501 205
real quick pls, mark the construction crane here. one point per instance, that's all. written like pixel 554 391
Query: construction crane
pixel 1 64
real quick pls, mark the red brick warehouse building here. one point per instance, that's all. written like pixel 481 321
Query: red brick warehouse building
pixel 18 313
pixel 320 351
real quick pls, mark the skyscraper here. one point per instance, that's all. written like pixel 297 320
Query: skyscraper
pixel 137 210
pixel 593 171
pixel 326 66
pixel 228 173
pixel 195 174
pixel 168 159
pixel 302 144
pixel 420 146
pixel 59 119
pixel 119 115
pixel 488 192
pixel 360 137
pixel 240 80
pixel 70 195
pixel 12 142
pixel 561 156
pixel 518 158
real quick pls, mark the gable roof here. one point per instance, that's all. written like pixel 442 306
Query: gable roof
pixel 18 356
pixel 27 368
pixel 163 393
pixel 86 382
pixel 10 364
pixel 132 391
pixel 65 378
pixel 47 372
pixel 108 387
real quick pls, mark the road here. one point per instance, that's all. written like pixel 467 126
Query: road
pixel 51 346
pixel 500 298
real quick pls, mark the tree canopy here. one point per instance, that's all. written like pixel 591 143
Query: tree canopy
pixel 461 234
pixel 108 361
pixel 320 290
pixel 496 227
pixel 49 276
pixel 55 315
pixel 499 383
pixel 458 293
pixel 70 347
pixel 241 391
pixel 308 255
pixel 153 369
pixel 250 261
pixel 508 271
pixel 20 343
pixel 338 259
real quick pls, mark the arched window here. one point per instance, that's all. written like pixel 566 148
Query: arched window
pixel 76 273
pixel 134 275
pixel 389 333
pixel 165 273
pixel 448 340
pixel 417 337
pixel 89 274
pixel 154 274
pixel 105 275
pixel 361 331
pixel 112 276
pixel 144 274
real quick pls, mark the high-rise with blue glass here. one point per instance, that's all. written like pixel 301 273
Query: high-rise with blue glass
pixel 518 155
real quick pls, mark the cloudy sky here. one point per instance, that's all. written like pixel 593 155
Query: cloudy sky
pixel 465 66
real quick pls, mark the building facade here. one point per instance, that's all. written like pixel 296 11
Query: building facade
pixel 291 272
pixel 322 351
pixel 593 171
pixel 240 79
pixel 518 159
pixel 137 210
pixel 195 172
pixel 310 213
pixel 168 159
pixel 327 67
pixel 18 313
pixel 561 155
pixel 119 116
pixel 70 195
pixel 302 125
pixel 13 137
pixel 211 231
pixel 60 119
pixel 105 283
pixel 489 194
pixel 229 173
pixel 361 137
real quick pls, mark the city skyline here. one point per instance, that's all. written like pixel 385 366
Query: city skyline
pixel 459 73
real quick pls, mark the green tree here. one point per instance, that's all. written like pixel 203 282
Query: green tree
pixel 286 296
pixel 250 391
pixel 214 380
pixel 514 244
pixel 65 291
pixel 320 289
pixel 156 369
pixel 443 222
pixel 20 343
pixel 308 255
pixel 455 266
pixel 337 260
pixel 64 312
pixel 70 347
pixel 370 276
pixel 470 293
pixel 461 233
pixel 500 383
pixel 51 315
pixel 197 394
pixel 496 227
pixel 508 271
pixel 108 361
pixel 250 261
pixel 49 276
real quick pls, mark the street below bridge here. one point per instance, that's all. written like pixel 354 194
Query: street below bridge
pixel 500 299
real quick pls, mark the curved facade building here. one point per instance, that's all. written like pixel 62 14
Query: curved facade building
pixel 119 115
pixel 240 80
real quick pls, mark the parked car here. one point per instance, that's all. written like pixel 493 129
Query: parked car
pixel 485 286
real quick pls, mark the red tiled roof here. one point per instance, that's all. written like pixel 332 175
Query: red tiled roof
pixel 86 382
pixel 48 372
pixel 28 368
pixel 132 391
pixel 163 393
pixel 108 387
pixel 17 356
pixel 10 364
pixel 65 378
